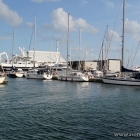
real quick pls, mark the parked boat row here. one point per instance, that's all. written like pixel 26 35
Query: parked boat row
pixel 63 72
pixel 127 78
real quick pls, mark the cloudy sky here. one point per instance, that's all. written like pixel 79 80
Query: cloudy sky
pixel 88 22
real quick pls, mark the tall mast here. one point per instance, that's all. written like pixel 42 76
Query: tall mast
pixel 56 45
pixel 123 33
pixel 79 46
pixel 102 59
pixel 106 59
pixel 13 44
pixel 34 39
pixel 86 51
pixel 68 42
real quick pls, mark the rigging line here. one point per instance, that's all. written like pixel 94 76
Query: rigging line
pixel 132 40
pixel 31 38
pixel 135 53
pixel 113 30
pixel 127 56
pixel 130 57
pixel 102 44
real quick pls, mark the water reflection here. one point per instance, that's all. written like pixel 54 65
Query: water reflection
pixel 45 81
pixel 83 90
pixel 2 86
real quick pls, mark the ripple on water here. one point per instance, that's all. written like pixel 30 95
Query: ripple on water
pixel 36 109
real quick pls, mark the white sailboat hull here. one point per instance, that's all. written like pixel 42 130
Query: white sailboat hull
pixel 39 76
pixel 15 75
pixel 19 75
pixel 73 78
pixel 121 81
pixel 2 78
pixel 48 76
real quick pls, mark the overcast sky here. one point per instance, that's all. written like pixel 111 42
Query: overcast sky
pixel 91 17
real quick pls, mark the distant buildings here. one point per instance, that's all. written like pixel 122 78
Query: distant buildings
pixel 45 57
pixel 112 65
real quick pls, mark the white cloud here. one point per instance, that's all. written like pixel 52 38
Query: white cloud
pixel 10 16
pixel 40 1
pixel 110 4
pixel 5 38
pixel 85 1
pixel 132 27
pixel 30 24
pixel 112 36
pixel 115 49
pixel 128 5
pixel 60 23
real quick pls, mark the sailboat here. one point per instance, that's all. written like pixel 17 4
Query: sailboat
pixel 14 71
pixel 130 77
pixel 35 73
pixel 75 75
pixel 2 75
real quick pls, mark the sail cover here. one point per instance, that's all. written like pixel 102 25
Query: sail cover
pixel 127 70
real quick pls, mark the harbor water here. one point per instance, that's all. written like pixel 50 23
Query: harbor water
pixel 56 110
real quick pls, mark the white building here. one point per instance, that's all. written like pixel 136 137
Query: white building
pixel 45 57
pixel 91 65
pixel 114 65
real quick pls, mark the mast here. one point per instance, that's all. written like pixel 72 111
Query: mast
pixel 56 45
pixel 13 44
pixel 102 59
pixel 106 66
pixel 70 57
pixel 86 51
pixel 34 39
pixel 79 46
pixel 51 53
pixel 123 33
pixel 101 51
pixel 67 43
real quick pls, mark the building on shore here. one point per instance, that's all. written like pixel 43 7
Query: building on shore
pixel 30 59
pixel 112 65
pixel 46 57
